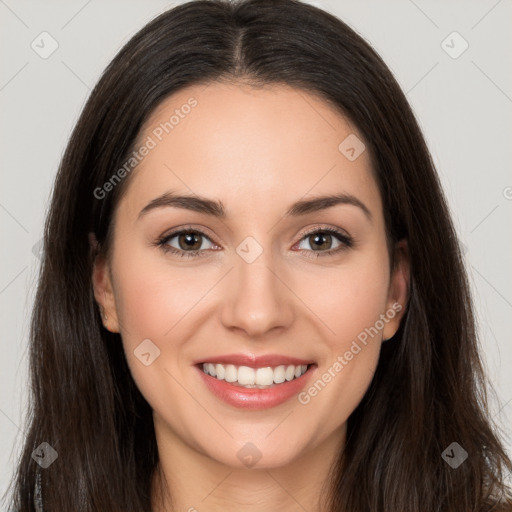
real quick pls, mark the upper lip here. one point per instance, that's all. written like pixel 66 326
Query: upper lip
pixel 254 361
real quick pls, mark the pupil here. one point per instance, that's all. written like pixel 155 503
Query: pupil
pixel 319 236
pixel 191 239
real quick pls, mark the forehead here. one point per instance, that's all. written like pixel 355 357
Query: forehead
pixel 249 147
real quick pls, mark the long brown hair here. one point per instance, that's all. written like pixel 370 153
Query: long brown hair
pixel 429 389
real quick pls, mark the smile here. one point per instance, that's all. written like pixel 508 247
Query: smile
pixel 248 377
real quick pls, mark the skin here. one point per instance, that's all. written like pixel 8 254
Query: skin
pixel 257 151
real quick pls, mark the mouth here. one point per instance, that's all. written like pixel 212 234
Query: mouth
pixel 250 381
pixel 255 388
pixel 253 377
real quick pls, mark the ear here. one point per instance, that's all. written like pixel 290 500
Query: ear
pixel 398 294
pixel 103 289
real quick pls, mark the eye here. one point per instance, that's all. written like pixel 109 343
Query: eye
pixel 189 243
pixel 323 239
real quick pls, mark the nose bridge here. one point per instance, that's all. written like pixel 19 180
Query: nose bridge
pixel 258 300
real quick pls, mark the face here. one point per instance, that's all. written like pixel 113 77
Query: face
pixel 307 287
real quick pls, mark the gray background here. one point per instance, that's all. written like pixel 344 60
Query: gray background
pixel 464 106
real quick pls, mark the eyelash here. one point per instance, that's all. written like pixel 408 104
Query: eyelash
pixel 346 242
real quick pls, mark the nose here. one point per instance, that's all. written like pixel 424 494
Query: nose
pixel 258 298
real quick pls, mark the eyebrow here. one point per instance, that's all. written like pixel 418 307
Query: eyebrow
pixel 216 209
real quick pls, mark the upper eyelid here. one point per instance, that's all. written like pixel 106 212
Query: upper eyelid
pixel 185 229
pixel 330 230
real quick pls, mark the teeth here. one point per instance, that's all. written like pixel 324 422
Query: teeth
pixel 290 372
pixel 246 376
pixel 231 373
pixel 221 371
pixel 279 374
pixel 254 377
pixel 262 376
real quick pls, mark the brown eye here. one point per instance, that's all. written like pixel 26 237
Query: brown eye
pixel 321 241
pixel 189 240
pixel 189 243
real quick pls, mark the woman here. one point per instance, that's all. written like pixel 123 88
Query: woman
pixel 193 345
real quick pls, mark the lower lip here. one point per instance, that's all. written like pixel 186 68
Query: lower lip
pixel 255 398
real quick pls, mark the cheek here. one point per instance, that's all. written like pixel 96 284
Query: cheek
pixel 349 298
pixel 153 302
pixel 352 310
pixel 355 298
pixel 152 296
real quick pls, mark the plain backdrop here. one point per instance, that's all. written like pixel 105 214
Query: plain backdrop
pixel 462 99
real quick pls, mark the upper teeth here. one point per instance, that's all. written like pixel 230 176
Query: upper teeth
pixel 252 377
